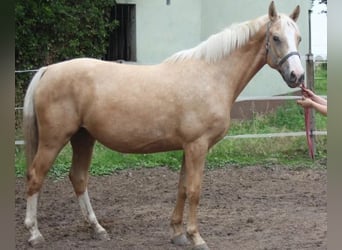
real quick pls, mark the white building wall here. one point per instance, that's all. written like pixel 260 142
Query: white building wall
pixel 165 29
pixel 162 30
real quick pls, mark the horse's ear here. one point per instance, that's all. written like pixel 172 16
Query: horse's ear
pixel 295 13
pixel 272 12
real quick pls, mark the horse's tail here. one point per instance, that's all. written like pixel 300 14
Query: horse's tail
pixel 30 128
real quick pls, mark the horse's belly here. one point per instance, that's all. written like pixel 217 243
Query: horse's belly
pixel 136 137
pixel 142 145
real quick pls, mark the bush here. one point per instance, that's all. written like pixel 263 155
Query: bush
pixel 51 31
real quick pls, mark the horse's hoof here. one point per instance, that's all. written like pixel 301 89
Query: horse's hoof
pixel 102 235
pixel 180 240
pixel 201 247
pixel 36 240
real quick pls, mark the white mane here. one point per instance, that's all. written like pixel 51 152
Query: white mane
pixel 222 43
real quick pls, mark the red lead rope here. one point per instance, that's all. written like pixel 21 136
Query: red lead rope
pixel 308 134
pixel 307 129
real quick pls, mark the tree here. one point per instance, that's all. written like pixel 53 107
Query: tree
pixel 314 2
pixel 320 1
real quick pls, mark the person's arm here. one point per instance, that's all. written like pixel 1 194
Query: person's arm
pixel 323 109
pixel 320 100
pixel 310 94
pixel 309 103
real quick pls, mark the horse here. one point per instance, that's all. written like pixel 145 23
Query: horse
pixel 182 103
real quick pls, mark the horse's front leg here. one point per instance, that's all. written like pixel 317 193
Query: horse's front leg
pixel 194 160
pixel 179 238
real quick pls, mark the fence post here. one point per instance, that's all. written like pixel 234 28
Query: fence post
pixel 310 83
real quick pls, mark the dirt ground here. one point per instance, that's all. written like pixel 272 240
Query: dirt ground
pixel 247 208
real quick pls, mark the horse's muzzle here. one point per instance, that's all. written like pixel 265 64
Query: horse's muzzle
pixel 295 79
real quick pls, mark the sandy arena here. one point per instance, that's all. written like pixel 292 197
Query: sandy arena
pixel 247 208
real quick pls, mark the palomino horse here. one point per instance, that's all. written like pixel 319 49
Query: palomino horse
pixel 183 103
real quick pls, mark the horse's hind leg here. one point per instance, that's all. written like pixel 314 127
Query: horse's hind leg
pixel 82 145
pixel 36 173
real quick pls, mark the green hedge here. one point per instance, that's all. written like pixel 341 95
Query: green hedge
pixel 49 31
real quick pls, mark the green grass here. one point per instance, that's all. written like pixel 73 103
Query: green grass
pixel 321 79
pixel 288 151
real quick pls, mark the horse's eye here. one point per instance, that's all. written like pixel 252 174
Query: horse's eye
pixel 276 39
pixel 299 39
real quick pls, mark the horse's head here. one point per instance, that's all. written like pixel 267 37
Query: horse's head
pixel 282 40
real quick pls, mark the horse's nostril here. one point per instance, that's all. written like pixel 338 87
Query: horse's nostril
pixel 301 78
pixel 293 76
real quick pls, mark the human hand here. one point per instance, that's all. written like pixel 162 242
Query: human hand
pixel 305 102
pixel 307 92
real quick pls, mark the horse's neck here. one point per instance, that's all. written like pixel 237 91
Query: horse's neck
pixel 241 65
